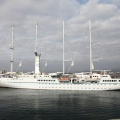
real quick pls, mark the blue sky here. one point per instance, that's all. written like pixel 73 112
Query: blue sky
pixel 82 1
pixel 105 16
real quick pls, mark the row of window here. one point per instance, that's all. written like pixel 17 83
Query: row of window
pixel 110 80
pixel 44 76
pixel 73 88
pixel 77 85
pixel 94 76
pixel 34 76
pixel 47 80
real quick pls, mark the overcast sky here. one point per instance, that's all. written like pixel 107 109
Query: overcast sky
pixel 105 17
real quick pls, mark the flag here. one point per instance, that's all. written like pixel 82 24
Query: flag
pixel 92 66
pixel 20 64
pixel 72 64
pixel 46 64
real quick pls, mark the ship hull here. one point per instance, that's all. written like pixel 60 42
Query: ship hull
pixel 58 86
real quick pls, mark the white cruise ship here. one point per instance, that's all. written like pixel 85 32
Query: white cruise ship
pixel 54 81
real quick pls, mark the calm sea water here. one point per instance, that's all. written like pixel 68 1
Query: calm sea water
pixel 22 104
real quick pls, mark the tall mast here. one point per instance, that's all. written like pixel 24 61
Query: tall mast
pixel 91 62
pixel 12 50
pixel 63 51
pixel 37 56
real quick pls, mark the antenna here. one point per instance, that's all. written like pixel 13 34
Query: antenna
pixel 12 50
pixel 91 62
pixel 37 56
pixel 63 51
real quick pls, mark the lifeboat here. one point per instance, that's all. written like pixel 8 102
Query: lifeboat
pixel 64 79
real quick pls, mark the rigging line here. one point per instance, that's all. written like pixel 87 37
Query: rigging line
pixel 78 47
pixel 53 48
pixel 68 35
pixel 69 43
pixel 67 52
pixel 48 57
pixel 96 37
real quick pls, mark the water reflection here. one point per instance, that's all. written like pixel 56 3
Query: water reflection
pixel 58 105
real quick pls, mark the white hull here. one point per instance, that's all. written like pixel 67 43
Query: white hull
pixel 34 84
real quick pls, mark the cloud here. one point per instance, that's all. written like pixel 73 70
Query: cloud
pixel 105 14
pixel 95 10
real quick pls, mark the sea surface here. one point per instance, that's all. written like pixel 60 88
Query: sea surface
pixel 25 104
